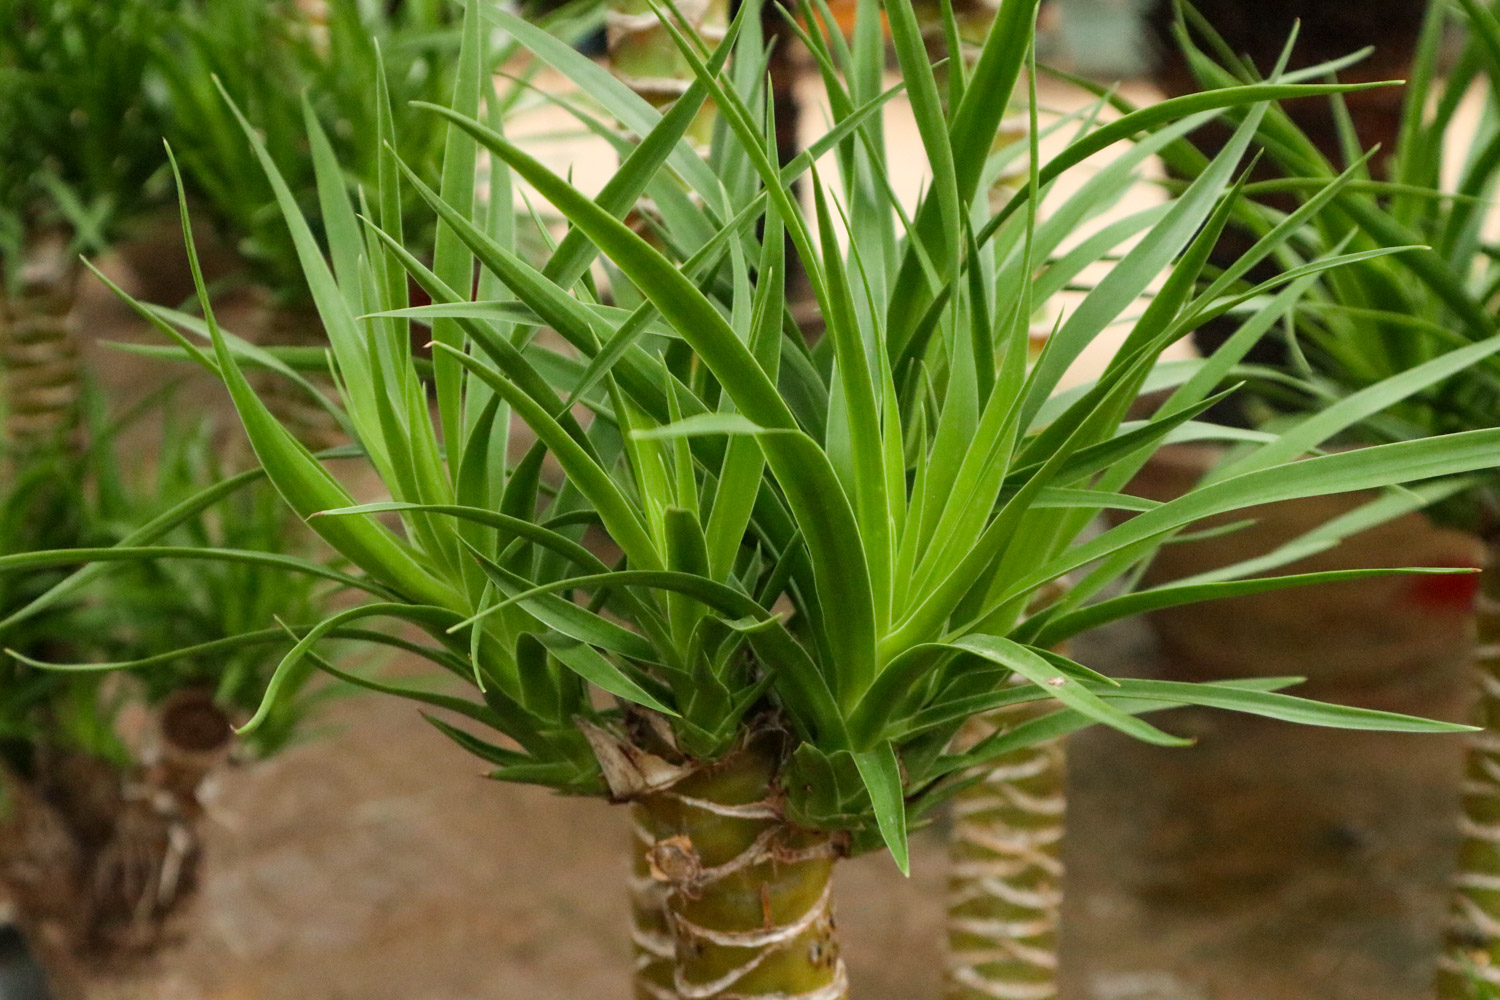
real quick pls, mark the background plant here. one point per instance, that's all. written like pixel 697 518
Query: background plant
pixel 1381 318
pixel 301 68
pixel 81 139
pixel 100 773
pixel 827 557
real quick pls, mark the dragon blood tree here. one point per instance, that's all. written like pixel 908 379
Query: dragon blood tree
pixel 1405 318
pixel 796 571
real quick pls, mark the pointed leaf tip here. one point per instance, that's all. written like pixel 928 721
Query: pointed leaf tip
pixel 881 772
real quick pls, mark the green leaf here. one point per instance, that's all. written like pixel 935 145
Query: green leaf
pixel 482 749
pixel 137 553
pixel 881 772
pixel 1283 707
pixel 1319 427
pixel 153 529
pixel 1062 627
pixel 1076 695
pixel 586 662
pixel 290 670
pixel 1361 469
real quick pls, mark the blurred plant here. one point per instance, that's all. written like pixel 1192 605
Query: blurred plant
pixel 313 69
pixel 81 149
pixel 300 68
pixel 1382 322
pixel 100 773
pixel 643 54
pixel 798 570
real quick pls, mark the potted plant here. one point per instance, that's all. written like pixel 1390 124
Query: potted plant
pixel 81 137
pixel 100 774
pixel 797 571
pixel 1381 321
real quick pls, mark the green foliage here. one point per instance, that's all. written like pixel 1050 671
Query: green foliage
pixel 302 71
pixel 1428 315
pixel 81 135
pixel 207 48
pixel 724 527
pixel 62 506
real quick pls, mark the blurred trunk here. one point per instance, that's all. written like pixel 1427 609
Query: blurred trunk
pixel 38 356
pixel 101 863
pixel 1005 880
pixel 1005 864
pixel 1471 946
pixel 748 906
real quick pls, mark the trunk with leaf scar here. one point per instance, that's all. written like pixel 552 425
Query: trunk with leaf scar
pixel 1471 953
pixel 1005 882
pixel 650 934
pixel 38 358
pixel 748 903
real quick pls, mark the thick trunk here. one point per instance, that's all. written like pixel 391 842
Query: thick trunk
pixel 99 862
pixel 650 933
pixel 1005 883
pixel 747 893
pixel 38 357
pixel 1472 943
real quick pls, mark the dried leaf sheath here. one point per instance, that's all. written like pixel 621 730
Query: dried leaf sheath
pixel 1005 885
pixel 748 893
pixel 1472 944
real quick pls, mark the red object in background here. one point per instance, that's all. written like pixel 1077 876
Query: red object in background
pixel 1445 591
